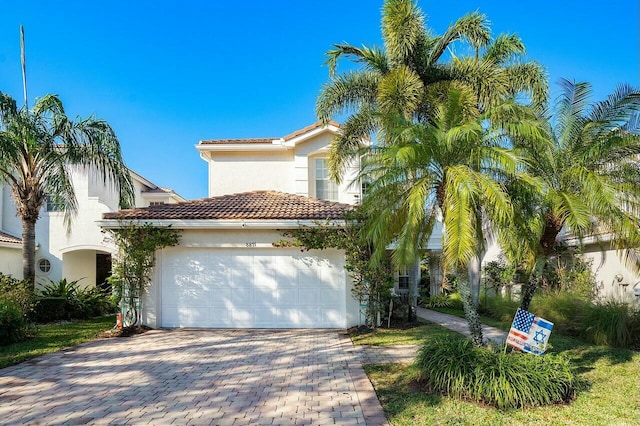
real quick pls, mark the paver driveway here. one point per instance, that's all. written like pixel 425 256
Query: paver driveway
pixel 195 377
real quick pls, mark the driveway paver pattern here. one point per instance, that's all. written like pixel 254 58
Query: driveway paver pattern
pixel 218 377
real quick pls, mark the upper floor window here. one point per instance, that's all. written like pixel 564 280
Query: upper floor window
pixel 156 203
pixel 326 189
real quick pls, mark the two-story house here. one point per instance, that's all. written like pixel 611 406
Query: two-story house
pixel 226 271
pixel 80 252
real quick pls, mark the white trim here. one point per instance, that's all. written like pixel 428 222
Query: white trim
pixel 17 246
pixel 218 223
pixel 312 133
pixel 79 247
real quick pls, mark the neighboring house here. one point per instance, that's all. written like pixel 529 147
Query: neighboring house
pixel 226 271
pixel 79 253
pixel 614 279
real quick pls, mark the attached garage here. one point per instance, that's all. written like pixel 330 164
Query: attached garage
pixel 251 288
pixel 227 273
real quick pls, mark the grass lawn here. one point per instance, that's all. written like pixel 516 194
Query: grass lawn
pixel 54 337
pixel 610 394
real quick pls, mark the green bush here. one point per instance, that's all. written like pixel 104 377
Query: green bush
pixel 457 368
pixel 18 291
pixel 610 323
pixel 502 308
pixel 65 300
pixel 14 326
pixel 16 303
pixel 564 310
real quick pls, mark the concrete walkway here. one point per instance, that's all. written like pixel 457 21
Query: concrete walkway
pixel 460 325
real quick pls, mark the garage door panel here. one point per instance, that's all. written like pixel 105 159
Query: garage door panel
pixel 252 288
pixel 221 297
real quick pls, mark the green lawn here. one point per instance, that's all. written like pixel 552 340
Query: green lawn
pixel 610 393
pixel 54 337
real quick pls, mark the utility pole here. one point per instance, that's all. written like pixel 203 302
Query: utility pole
pixel 23 59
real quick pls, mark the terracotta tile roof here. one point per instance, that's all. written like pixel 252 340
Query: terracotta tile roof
pixel 309 128
pixel 158 190
pixel 10 239
pixel 267 140
pixel 247 205
pixel 237 141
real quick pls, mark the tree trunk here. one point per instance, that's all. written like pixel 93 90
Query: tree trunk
pixel 470 311
pixel 530 287
pixel 473 271
pixel 29 251
pixel 547 242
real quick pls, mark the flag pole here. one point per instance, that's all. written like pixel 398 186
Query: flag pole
pixel 24 67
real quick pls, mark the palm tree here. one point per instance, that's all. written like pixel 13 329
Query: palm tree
pixel 37 149
pixel 588 164
pixel 393 79
pixel 409 75
pixel 447 170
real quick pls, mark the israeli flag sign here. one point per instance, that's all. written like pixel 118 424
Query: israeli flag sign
pixel 529 332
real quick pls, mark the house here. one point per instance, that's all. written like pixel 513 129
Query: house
pixel 615 280
pixel 226 272
pixel 81 252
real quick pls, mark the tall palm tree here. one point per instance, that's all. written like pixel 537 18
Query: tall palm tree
pixel 446 170
pixel 588 164
pixel 37 149
pixel 409 74
pixel 392 79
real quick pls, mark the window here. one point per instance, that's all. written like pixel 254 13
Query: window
pixel 403 278
pixel 326 189
pixel 44 265
pixel 156 203
pixel 55 203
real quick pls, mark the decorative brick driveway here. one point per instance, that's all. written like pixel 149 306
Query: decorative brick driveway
pixel 195 377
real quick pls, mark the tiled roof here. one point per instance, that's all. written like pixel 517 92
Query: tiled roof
pixel 309 128
pixel 157 190
pixel 9 239
pixel 267 140
pixel 237 141
pixel 270 205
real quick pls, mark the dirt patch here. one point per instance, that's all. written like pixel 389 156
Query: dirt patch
pixel 124 332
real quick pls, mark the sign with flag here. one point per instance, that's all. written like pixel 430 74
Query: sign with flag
pixel 529 332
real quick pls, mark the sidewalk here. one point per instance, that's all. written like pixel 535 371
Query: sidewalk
pixel 460 325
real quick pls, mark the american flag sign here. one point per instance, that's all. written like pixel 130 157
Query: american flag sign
pixel 529 332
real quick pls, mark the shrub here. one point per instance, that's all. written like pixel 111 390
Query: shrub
pixel 457 368
pixel 14 326
pixel 65 300
pixel 16 303
pixel 610 323
pixel 502 308
pixel 18 291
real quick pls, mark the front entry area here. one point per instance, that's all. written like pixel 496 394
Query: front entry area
pixel 251 288
pixel 88 267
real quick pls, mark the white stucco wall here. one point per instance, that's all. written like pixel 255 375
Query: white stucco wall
pixel 234 172
pixel 80 266
pixel 289 168
pixel 608 268
pixel 11 262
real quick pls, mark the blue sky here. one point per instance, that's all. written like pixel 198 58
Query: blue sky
pixel 167 74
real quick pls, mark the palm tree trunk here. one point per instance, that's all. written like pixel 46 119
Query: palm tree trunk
pixel 534 278
pixel 29 251
pixel 470 311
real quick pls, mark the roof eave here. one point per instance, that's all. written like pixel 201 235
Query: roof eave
pixel 220 223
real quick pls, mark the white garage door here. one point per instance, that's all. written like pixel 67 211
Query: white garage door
pixel 251 288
